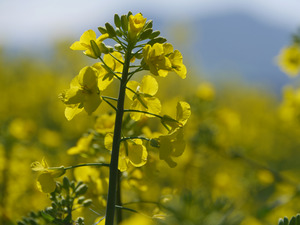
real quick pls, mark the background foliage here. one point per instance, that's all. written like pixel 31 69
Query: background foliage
pixel 240 165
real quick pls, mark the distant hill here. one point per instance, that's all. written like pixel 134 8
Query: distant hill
pixel 237 43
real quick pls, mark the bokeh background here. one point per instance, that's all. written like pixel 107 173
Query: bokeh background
pixel 241 163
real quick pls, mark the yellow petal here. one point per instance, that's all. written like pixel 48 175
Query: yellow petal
pixel 168 48
pixel 70 112
pixel 149 85
pixel 77 46
pixel 108 141
pixel 183 112
pixel 102 38
pixel 46 183
pixel 137 155
pixel 88 77
pixel 87 36
pixel 123 160
pixel 37 166
pixel 91 103
pixel 154 105
pixel 134 86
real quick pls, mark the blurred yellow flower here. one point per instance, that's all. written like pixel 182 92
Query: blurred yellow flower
pixel 22 128
pixel 205 91
pixel 143 99
pixel 105 77
pixel 265 177
pixel 50 138
pixel 82 146
pixel 289 60
pixel 161 60
pixel 84 43
pixel 136 24
pixel 105 123
pixel 171 145
pixel 138 219
pixel 83 93
pixel 131 151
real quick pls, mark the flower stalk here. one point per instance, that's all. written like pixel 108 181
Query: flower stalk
pixel 113 172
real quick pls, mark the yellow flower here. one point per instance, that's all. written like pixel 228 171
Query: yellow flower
pixel 183 113
pixel 45 180
pixel 131 151
pixel 289 60
pixel 85 43
pixel 143 99
pixel 136 24
pixel 154 57
pixel 138 219
pixel 177 65
pixel 161 59
pixel 205 91
pixel 83 93
pixel 82 146
pixel 171 145
pixel 105 123
pixel 22 128
pixel 105 77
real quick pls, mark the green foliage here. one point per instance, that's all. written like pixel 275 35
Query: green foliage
pixel 67 197
pixel 295 220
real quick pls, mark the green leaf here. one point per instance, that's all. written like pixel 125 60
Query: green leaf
pixel 285 221
pixel 81 190
pixel 102 30
pixel 129 14
pixel 47 216
pixel 146 34
pixel 95 48
pixel 154 34
pixel 110 30
pixel 293 221
pixel 124 23
pixel 117 20
pixel 66 183
pixel 157 40
pixel 149 24
pixel 298 219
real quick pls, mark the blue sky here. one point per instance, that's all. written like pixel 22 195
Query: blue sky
pixel 39 22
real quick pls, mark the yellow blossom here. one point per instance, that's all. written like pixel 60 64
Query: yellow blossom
pixel 205 91
pixel 83 93
pixel 138 219
pixel 84 43
pixel 136 24
pixel 131 151
pixel 105 76
pixel 183 113
pixel 83 145
pixel 105 123
pixel 171 145
pixel 45 179
pixel 143 99
pixel 161 59
pixel 289 60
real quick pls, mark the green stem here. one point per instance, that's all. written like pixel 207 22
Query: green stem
pixel 119 200
pixel 79 165
pixel 131 138
pixel 113 172
pixel 139 111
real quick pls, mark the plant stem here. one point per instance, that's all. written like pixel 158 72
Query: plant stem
pixel 119 200
pixel 113 172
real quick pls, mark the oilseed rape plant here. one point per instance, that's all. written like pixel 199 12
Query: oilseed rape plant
pixel 119 135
